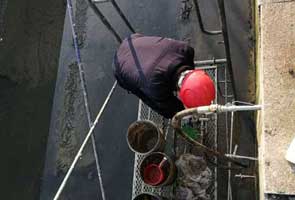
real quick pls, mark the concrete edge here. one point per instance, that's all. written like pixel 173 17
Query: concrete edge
pixel 261 2
pixel 259 98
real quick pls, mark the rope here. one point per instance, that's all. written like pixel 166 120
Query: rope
pixel 91 125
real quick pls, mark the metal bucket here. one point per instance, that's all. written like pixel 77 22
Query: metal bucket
pixel 144 137
pixel 168 167
pixel 148 196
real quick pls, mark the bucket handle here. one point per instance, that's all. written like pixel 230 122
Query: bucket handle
pixel 162 162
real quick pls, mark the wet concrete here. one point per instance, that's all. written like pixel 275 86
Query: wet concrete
pixel 68 122
pixel 98 47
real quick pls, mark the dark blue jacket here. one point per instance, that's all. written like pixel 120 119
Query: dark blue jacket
pixel 149 68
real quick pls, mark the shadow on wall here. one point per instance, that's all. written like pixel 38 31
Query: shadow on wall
pixel 31 32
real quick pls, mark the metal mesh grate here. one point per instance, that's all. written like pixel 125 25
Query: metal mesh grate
pixel 146 113
pixel 210 139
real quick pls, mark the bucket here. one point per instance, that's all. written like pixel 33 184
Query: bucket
pixel 148 196
pixel 157 170
pixel 153 174
pixel 144 137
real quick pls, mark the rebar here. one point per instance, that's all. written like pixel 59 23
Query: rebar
pixel 227 45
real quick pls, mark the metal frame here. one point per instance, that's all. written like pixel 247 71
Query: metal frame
pixel 198 11
pixel 231 148
pixel 210 133
pixel 162 122
pixel 210 130
pixel 222 16
pixel 104 20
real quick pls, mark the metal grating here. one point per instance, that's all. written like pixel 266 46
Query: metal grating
pixel 210 139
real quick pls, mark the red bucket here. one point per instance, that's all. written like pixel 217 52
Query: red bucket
pixel 157 169
pixel 154 174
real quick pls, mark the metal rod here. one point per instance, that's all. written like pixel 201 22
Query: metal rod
pixel 230 150
pixel 199 16
pixel 224 81
pixel 176 123
pixel 122 15
pixel 228 96
pixel 100 1
pixel 241 157
pixel 226 43
pixel 210 62
pixel 244 176
pixel 104 20
pixel 79 153
pixel 223 108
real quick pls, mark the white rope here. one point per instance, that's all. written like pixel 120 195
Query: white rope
pixel 79 153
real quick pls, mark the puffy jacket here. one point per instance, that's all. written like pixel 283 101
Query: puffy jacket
pixel 149 67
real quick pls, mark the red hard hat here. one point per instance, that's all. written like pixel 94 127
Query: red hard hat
pixel 197 89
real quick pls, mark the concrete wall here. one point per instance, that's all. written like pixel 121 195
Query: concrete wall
pixel 28 64
pixel 276 65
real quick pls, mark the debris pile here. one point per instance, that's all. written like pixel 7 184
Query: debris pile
pixel 194 178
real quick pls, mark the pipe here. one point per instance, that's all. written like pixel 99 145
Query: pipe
pixel 176 123
pixel 122 15
pixel 225 108
pixel 198 12
pixel 210 62
pixel 227 45
pixel 104 20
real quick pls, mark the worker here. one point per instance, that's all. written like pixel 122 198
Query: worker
pixel 160 71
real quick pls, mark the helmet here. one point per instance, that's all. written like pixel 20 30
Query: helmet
pixel 197 89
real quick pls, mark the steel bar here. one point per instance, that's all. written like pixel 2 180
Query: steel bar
pixel 241 157
pixel 228 96
pixel 199 16
pixel 118 9
pixel 224 108
pixel 224 81
pixel 104 20
pixel 210 62
pixel 226 43
pixel 79 153
pixel 229 192
pixel 241 176
pixel 100 1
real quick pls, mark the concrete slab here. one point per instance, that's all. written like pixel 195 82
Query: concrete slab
pixel 277 93
pixel 260 2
